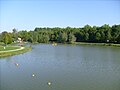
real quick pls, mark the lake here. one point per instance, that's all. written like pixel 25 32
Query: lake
pixel 65 67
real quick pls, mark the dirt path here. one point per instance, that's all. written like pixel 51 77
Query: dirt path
pixel 13 50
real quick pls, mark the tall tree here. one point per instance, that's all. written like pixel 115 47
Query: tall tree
pixel 97 36
pixel 115 32
pixel 15 34
pixel 62 37
pixel 71 38
pixel 6 38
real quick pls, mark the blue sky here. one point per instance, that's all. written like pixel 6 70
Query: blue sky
pixel 28 14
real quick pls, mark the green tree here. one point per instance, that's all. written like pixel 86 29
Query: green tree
pixel 92 32
pixel 43 38
pixel 24 35
pixel 71 38
pixel 97 36
pixel 62 37
pixel 86 36
pixel 6 38
pixel 118 39
pixel 79 36
pixel 15 34
pixel 107 32
pixel 115 32
pixel 10 38
pixel 33 37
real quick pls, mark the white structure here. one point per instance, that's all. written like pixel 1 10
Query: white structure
pixel 19 40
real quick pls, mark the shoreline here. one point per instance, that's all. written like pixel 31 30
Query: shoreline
pixel 26 49
pixel 97 44
pixel 14 52
pixel 87 43
pixel 83 43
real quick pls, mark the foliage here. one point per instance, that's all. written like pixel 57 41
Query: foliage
pixel 71 38
pixel 88 33
pixel 6 38
pixel 15 34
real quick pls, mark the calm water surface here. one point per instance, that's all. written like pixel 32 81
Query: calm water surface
pixel 67 67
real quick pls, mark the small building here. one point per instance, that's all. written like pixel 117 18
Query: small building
pixel 19 40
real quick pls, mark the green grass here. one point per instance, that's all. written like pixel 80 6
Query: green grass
pixel 8 48
pixel 5 54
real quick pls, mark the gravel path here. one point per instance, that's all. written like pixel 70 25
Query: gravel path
pixel 13 50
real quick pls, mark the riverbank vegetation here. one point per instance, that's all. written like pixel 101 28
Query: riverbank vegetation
pixel 9 52
pixel 89 34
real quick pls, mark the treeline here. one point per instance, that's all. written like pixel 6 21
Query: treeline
pixel 102 34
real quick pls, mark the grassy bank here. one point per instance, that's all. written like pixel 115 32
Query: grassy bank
pixel 5 54
pixel 6 48
pixel 99 44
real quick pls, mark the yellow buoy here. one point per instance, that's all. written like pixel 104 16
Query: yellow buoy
pixel 55 44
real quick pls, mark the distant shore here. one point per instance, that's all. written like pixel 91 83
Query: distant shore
pixel 99 44
pixel 84 43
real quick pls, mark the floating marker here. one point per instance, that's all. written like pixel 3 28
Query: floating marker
pixel 33 75
pixel 17 64
pixel 49 83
